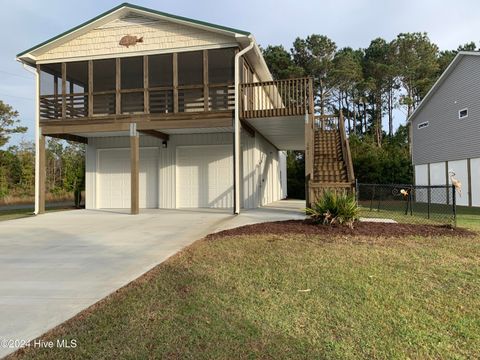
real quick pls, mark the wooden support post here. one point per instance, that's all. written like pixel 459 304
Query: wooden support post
pixel 146 96
pixel 90 88
pixel 64 90
pixel 42 175
pixel 134 170
pixel 309 138
pixel 175 82
pixel 118 95
pixel 206 95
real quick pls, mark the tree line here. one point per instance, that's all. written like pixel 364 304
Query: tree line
pixel 371 87
pixel 65 164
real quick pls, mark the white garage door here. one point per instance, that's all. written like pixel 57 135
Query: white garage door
pixel 204 176
pixel 113 182
pixel 475 168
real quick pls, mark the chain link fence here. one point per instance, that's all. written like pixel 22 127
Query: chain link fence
pixel 420 204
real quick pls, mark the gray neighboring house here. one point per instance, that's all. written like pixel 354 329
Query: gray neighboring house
pixel 446 129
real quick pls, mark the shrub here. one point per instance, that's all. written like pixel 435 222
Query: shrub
pixel 335 208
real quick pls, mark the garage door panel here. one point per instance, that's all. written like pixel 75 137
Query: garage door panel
pixel 475 176
pixel 114 178
pixel 204 177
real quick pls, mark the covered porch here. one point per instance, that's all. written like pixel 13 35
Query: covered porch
pixel 272 116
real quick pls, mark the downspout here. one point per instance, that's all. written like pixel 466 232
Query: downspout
pixel 236 129
pixel 37 134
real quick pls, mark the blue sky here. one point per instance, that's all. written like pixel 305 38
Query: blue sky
pixel 349 23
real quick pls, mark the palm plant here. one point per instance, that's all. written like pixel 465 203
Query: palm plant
pixel 335 208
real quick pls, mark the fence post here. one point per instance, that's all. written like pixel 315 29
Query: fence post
pixel 357 196
pixel 429 193
pixel 373 195
pixel 454 206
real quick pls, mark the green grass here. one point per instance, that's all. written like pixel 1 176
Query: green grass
pixel 238 297
pixel 23 213
pixel 15 214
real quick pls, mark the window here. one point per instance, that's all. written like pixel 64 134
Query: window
pixel 132 72
pixel 77 89
pixel 463 113
pixel 104 86
pixel 423 125
pixel 50 79
pixel 221 66
pixel 104 75
pixel 160 70
pixel 190 68
pixel 50 91
pixel 190 82
pixel 221 79
pixel 160 81
pixel 131 69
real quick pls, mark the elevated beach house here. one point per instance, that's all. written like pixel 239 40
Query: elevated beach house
pixel 174 112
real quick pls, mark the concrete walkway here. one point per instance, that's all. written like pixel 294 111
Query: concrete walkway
pixel 55 265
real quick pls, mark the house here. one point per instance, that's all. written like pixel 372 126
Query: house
pixel 445 130
pixel 174 112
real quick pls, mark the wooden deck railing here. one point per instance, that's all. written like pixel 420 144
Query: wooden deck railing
pixel 154 100
pixel 276 98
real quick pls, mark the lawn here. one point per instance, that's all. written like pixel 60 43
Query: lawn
pixel 15 214
pixel 23 213
pixel 291 296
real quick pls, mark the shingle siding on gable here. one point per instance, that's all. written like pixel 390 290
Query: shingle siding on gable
pixel 157 35
pixel 447 137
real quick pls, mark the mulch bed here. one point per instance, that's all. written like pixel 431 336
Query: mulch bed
pixel 370 229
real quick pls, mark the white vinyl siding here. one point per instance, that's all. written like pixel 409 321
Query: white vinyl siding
pixel 438 174
pixel 262 167
pixel 421 178
pixel 461 173
pixel 438 177
pixel 204 176
pixel 475 176
pixel 421 174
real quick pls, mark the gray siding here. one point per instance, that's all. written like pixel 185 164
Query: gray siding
pixel 447 137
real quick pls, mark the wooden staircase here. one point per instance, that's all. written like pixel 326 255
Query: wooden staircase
pixel 329 164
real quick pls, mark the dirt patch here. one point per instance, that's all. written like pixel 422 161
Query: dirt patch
pixel 369 229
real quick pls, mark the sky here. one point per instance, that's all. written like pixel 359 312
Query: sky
pixel 353 23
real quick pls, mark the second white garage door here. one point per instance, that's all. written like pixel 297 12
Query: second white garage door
pixel 113 181
pixel 204 176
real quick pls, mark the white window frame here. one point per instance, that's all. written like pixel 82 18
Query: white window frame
pixel 423 125
pixel 460 111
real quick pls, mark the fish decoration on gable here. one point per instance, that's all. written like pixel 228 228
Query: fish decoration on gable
pixel 130 40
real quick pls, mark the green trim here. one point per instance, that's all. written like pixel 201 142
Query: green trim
pixel 136 7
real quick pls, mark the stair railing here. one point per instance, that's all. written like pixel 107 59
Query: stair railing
pixel 326 122
pixel 347 155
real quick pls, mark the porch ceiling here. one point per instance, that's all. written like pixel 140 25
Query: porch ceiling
pixel 285 132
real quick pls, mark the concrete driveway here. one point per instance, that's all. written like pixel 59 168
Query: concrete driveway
pixel 55 265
